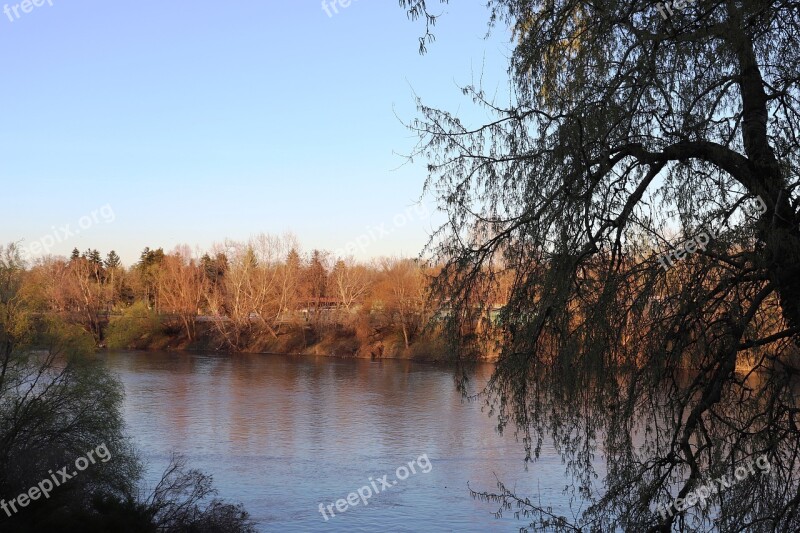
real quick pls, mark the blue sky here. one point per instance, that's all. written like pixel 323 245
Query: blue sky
pixel 196 121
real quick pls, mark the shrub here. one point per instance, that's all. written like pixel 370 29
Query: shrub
pixel 136 323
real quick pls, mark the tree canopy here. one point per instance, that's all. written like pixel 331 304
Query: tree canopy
pixel 625 135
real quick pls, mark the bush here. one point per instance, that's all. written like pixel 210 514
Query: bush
pixel 136 324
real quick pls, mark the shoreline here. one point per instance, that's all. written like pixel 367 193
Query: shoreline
pixel 297 340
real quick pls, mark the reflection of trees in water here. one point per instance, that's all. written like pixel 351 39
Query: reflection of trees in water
pixel 643 439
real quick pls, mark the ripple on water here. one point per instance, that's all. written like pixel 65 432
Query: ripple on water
pixel 282 434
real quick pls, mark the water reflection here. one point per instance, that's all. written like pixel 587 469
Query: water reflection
pixel 283 434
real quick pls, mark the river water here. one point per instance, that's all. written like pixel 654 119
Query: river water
pixel 283 434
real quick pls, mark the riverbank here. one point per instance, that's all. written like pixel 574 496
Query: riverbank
pixel 300 339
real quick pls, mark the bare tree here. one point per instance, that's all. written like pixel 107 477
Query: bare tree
pixel 401 288
pixel 256 289
pixel 181 287
pixel 350 281
pixel 185 500
pixel 86 292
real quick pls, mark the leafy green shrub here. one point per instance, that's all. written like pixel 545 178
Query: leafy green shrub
pixel 136 324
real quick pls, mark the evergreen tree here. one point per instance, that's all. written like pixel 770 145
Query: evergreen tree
pixel 93 256
pixel 112 260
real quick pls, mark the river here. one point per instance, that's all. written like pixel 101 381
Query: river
pixel 283 434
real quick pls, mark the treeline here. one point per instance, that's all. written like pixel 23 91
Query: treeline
pixel 236 293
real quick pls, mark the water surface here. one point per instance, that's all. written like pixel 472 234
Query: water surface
pixel 283 434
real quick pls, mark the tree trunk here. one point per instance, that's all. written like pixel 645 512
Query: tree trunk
pixel 778 228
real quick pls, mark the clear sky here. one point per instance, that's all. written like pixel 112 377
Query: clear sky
pixel 192 121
